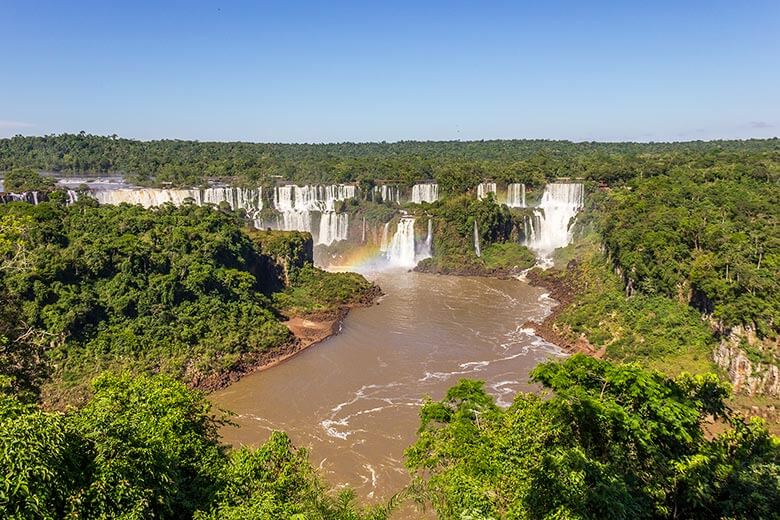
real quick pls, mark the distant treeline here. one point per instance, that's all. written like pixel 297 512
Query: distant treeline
pixel 456 165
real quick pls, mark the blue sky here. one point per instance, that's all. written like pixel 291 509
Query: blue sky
pixel 292 71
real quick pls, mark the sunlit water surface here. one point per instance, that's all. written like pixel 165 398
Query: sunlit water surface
pixel 354 399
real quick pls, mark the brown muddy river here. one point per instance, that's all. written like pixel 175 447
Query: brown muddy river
pixel 354 399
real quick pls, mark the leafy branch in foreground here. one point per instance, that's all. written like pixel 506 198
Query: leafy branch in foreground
pixel 148 447
pixel 611 441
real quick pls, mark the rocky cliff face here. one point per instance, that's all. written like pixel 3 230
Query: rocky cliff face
pixel 748 376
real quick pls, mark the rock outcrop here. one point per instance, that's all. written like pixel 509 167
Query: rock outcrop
pixel 748 376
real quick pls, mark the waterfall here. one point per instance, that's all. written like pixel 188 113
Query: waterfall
pixel 426 248
pixel 73 196
pixel 385 232
pixel 363 234
pixel 401 252
pixel 294 212
pixel 333 227
pixel 560 203
pixel 387 193
pixel 515 195
pixel 248 199
pixel 311 197
pixel 294 221
pixel 31 197
pixel 484 188
pixel 296 204
pixel 428 192
pixel 530 224
pixel 477 249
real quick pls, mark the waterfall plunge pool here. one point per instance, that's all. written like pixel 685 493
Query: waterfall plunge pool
pixel 354 399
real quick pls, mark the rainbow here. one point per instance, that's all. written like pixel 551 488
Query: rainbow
pixel 364 258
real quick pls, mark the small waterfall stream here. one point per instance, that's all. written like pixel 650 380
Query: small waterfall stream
pixel 428 192
pixel 385 237
pixel 387 193
pixel 477 249
pixel 484 188
pixel 333 227
pixel 515 195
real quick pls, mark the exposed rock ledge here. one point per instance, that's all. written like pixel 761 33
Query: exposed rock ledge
pixel 746 376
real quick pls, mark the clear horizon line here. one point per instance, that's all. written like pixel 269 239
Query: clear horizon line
pixel 398 141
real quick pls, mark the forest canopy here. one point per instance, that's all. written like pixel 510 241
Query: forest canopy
pixel 183 291
pixel 608 441
pixel 456 165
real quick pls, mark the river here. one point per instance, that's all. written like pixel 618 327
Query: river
pixel 354 399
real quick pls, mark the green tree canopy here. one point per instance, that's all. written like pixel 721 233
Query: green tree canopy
pixel 611 441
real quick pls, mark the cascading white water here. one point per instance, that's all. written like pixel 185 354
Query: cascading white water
pixel 387 193
pixel 385 237
pixel 428 192
pixel 294 212
pixel 560 203
pixel 515 195
pixel 484 188
pixel 296 204
pixel 311 197
pixel 401 251
pixel 294 221
pixel 477 249
pixel 31 197
pixel 248 199
pixel 426 248
pixel 363 232
pixel 333 227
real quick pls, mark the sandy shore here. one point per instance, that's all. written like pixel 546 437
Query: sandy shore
pixel 307 330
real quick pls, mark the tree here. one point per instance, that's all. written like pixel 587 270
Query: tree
pixel 611 441
pixel 26 179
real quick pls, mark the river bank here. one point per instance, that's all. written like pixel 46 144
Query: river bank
pixel 354 400
pixel 564 293
pixel 307 329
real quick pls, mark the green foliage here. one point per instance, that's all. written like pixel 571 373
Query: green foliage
pixel 456 165
pixel 654 330
pixel 182 291
pixel 26 179
pixel 508 255
pixel 294 247
pixel 453 238
pixel 168 290
pixel 147 447
pixel 152 448
pixel 374 213
pixel 38 460
pixel 312 289
pixel 612 441
pixel 708 236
